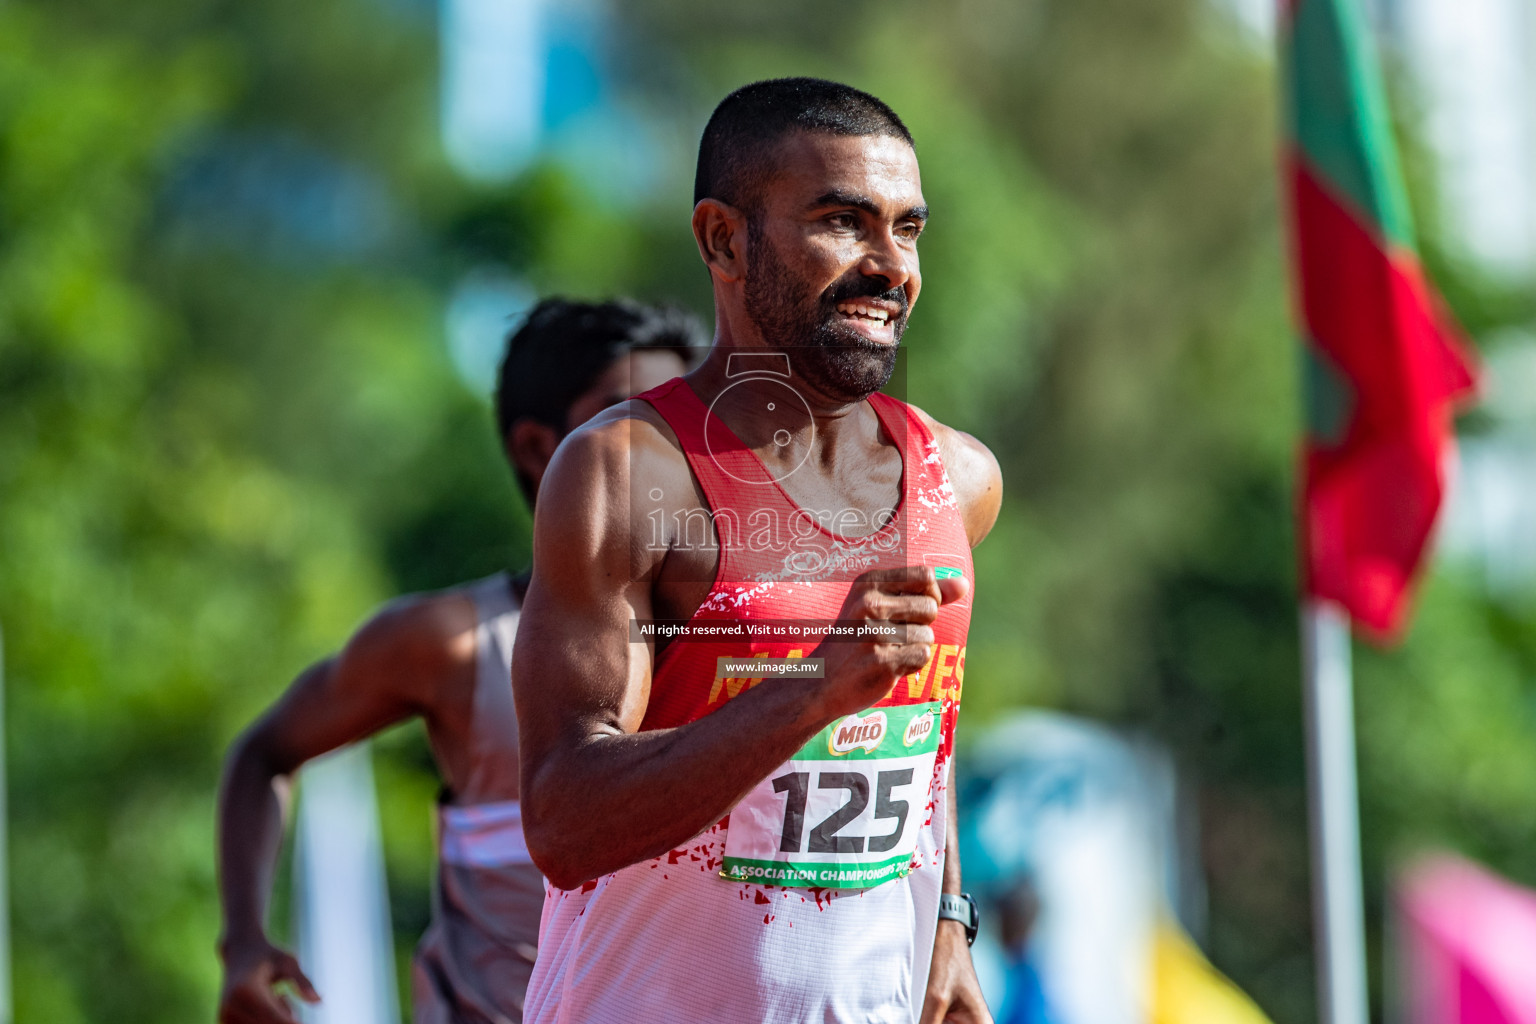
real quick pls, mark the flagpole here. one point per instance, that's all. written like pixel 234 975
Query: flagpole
pixel 1333 803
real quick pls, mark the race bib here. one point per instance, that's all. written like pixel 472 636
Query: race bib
pixel 845 811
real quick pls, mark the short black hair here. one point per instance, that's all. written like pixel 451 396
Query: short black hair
pixel 735 151
pixel 563 346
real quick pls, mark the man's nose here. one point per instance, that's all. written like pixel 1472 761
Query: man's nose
pixel 885 258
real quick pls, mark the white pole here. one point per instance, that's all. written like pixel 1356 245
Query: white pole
pixel 1337 910
pixel 345 939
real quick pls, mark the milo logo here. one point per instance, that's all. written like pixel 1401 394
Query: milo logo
pixel 918 729
pixel 856 732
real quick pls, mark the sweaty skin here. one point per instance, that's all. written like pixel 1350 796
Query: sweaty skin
pixel 598 794
pixel 415 658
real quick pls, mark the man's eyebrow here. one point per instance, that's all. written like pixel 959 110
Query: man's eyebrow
pixel 838 197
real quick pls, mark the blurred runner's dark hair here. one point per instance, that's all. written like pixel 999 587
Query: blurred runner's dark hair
pixel 563 346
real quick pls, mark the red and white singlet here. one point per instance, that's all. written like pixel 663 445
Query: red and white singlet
pixel 816 899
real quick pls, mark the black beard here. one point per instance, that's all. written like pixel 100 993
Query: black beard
pixel 835 360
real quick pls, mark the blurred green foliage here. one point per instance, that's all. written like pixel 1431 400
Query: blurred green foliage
pixel 228 425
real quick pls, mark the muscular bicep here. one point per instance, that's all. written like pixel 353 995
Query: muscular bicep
pixel 576 672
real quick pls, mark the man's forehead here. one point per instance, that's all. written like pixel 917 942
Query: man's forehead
pixel 809 165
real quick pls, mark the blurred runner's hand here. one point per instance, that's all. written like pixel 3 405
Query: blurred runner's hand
pixel 251 977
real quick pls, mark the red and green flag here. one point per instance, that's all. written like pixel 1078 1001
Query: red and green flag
pixel 1383 364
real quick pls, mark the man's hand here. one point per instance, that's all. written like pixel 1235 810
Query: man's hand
pixel 953 993
pixel 251 976
pixel 861 673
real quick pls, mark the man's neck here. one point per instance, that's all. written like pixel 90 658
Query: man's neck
pixel 761 405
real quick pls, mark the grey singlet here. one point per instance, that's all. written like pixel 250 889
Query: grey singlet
pixel 473 964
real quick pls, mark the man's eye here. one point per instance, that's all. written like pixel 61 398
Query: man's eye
pixel 910 231
pixel 842 220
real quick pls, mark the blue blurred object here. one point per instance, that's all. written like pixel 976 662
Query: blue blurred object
pixel 493 94
pixel 516 75
pixel 1024 1001
pixel 573 80
pixel 484 308
pixel 281 198
pixel 1069 834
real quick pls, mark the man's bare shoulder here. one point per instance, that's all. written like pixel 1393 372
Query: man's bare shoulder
pixel 632 427
pixel 414 644
pixel 973 472
pixel 626 446
pixel 600 490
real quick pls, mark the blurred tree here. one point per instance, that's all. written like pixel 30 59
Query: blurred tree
pixel 223 411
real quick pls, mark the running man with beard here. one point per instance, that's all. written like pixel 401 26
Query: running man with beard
pixel 445 657
pixel 743 645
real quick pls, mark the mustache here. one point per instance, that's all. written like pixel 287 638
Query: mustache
pixel 866 288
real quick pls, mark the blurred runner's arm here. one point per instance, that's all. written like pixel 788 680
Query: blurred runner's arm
pixel 376 681
pixel 598 795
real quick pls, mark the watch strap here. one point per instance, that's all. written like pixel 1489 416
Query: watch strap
pixel 960 908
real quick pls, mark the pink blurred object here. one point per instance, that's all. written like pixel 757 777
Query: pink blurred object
pixel 1468 945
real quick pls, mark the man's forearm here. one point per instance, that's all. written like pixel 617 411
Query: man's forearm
pixel 252 802
pixel 615 800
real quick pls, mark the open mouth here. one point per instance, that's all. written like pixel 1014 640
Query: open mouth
pixel 867 312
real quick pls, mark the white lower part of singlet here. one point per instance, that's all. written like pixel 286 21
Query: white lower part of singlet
pixel 669 940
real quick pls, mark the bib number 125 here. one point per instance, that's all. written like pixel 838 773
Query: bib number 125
pixel 824 837
pixel 839 814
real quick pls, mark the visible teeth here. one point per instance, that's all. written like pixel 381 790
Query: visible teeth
pixel 868 312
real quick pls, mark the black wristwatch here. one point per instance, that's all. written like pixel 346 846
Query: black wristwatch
pixel 963 909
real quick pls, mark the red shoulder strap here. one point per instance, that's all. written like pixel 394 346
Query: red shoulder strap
pixel 907 429
pixel 720 461
pixel 723 464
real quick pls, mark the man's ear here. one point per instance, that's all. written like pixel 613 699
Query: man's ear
pixel 530 445
pixel 721 233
